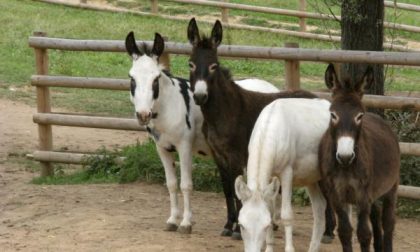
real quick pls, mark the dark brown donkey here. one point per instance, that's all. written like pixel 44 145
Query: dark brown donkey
pixel 360 162
pixel 229 114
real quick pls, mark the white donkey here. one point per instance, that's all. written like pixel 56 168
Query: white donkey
pixel 165 106
pixel 284 144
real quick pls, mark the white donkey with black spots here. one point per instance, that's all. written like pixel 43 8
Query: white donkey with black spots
pixel 164 104
pixel 283 150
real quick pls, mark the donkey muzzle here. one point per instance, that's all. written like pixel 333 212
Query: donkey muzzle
pixel 143 117
pixel 200 99
pixel 346 159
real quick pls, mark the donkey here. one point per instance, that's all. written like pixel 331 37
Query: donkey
pixel 229 114
pixel 163 104
pixel 284 144
pixel 360 162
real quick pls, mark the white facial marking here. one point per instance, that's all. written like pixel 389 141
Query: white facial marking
pixel 255 219
pixel 200 87
pixel 345 146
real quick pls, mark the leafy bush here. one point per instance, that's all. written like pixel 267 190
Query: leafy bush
pixel 408 131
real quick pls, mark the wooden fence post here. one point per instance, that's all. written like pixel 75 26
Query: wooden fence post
pixel 43 106
pixel 225 13
pixel 291 70
pixel 155 7
pixel 302 23
pixel 164 59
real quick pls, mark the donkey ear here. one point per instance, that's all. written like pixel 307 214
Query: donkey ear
pixel 331 79
pixel 217 34
pixel 367 81
pixel 158 45
pixel 241 189
pixel 271 191
pixel 193 33
pixel 131 47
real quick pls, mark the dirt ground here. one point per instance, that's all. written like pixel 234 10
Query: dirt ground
pixel 114 217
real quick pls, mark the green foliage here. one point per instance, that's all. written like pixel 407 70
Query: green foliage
pixel 406 125
pixel 142 163
pixel 104 163
pixel 408 208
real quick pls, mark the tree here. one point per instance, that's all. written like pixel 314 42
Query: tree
pixel 362 29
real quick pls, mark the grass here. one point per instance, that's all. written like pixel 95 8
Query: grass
pixel 24 17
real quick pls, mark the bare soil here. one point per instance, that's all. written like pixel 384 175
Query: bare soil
pixel 113 217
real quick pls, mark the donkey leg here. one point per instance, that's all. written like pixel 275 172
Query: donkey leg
pixel 269 240
pixel 171 182
pixel 388 217
pixel 375 219
pixel 364 235
pixel 330 221
pixel 185 158
pixel 318 203
pixel 344 228
pixel 286 207
pixel 236 235
pixel 230 201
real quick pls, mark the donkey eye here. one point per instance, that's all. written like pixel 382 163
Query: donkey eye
pixel 358 118
pixel 132 86
pixel 334 117
pixel 213 67
pixel 192 66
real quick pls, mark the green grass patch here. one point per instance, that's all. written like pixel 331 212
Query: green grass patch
pixel 141 163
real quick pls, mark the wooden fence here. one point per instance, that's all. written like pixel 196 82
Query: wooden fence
pixel 225 6
pixel 291 55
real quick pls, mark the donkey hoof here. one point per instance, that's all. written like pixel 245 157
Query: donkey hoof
pixel 185 229
pixel 236 236
pixel 327 239
pixel 170 227
pixel 226 232
pixel 275 227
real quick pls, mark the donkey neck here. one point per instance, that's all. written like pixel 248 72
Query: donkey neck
pixel 169 98
pixel 224 97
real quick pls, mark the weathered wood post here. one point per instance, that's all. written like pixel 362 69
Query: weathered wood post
pixel 225 13
pixel 302 23
pixel 291 70
pixel 154 7
pixel 164 59
pixel 43 106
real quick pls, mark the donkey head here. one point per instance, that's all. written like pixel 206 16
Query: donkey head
pixel 203 60
pixel 255 216
pixel 144 74
pixel 347 112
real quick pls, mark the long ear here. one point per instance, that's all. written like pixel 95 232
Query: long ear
pixel 193 33
pixel 367 81
pixel 271 191
pixel 131 47
pixel 331 79
pixel 241 189
pixel 158 45
pixel 217 34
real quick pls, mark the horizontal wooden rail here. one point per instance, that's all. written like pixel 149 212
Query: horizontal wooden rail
pixel 374 101
pixel 66 157
pixel 87 121
pixel 81 158
pixel 412 149
pixel 384 102
pixel 410 192
pixel 286 12
pixel 403 6
pixel 80 82
pixel 256 52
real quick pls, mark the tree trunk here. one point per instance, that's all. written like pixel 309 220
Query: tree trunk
pixel 362 29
